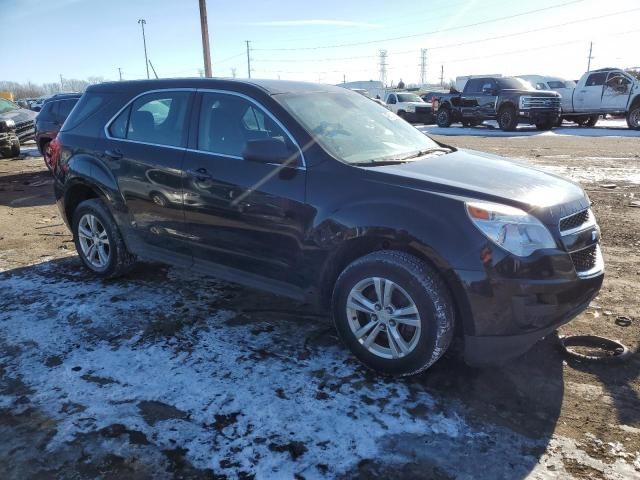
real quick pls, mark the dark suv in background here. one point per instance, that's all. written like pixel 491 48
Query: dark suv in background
pixel 54 112
pixel 317 193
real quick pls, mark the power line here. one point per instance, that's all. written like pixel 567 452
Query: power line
pixel 449 29
pixel 468 42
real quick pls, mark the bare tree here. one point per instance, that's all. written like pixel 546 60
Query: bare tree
pixel 31 90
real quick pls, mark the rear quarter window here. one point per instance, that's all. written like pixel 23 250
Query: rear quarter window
pixel 88 104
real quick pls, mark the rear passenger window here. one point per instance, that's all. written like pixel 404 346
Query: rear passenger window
pixel 157 118
pixel 64 109
pixel 227 122
pixel 596 79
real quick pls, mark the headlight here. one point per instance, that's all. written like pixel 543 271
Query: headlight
pixel 6 125
pixel 511 228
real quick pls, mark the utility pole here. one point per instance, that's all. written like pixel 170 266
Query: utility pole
pixel 154 70
pixel 248 58
pixel 590 57
pixel 233 72
pixel 441 76
pixel 382 64
pixel 204 28
pixel 344 78
pixel 423 66
pixel 142 21
pixel 61 83
pixel 120 73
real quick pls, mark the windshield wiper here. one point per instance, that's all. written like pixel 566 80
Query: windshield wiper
pixel 422 153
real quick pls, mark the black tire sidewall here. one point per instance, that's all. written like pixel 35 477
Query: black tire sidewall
pixel 96 208
pixel 514 121
pixel 423 352
pixel 633 109
pixel 443 118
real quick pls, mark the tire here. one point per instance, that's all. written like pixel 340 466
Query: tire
pixel 633 117
pixel 15 149
pixel 591 121
pixel 414 283
pixel 443 117
pixel 507 119
pixel 118 260
pixel 546 125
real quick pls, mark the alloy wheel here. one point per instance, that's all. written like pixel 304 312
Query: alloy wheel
pixel 383 317
pixel 634 118
pixel 94 241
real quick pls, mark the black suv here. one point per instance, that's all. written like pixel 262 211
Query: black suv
pixel 54 112
pixel 508 100
pixel 317 193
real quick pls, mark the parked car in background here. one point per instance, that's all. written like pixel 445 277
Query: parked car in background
pixel 36 103
pixel 555 84
pixel 49 120
pixel 314 192
pixel 16 127
pixel 604 91
pixel 410 107
pixel 508 100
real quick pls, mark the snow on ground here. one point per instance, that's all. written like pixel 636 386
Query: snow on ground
pixel 264 390
pixel 604 128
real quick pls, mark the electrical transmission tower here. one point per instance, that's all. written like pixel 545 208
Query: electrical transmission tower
pixel 382 64
pixel 423 66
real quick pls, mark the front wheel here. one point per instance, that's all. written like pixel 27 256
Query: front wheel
pixel 633 117
pixel 394 312
pixel 443 118
pixel 98 240
pixel 507 119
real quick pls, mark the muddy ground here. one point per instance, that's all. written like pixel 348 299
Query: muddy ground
pixel 163 375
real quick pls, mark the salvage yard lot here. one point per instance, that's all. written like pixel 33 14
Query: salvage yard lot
pixel 165 375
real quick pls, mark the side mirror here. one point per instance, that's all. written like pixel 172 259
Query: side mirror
pixel 266 150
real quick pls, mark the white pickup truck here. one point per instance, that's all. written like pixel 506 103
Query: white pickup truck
pixel 608 90
pixel 410 107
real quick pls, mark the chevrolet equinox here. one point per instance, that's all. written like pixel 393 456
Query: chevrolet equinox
pixel 317 193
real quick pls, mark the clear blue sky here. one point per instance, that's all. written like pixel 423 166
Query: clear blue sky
pixel 82 38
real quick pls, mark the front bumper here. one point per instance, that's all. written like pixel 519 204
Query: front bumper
pixel 511 315
pixel 420 117
pixel 7 141
pixel 539 115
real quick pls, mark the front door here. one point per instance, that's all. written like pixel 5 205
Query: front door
pixel 145 150
pixel 617 90
pixel 588 98
pixel 246 215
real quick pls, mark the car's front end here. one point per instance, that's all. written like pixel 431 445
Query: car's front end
pixel 540 107
pixel 17 125
pixel 418 112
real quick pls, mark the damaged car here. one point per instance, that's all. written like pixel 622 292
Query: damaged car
pixel 316 193
pixel 17 125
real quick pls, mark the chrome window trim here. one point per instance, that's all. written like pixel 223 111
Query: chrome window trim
pixel 195 150
pixel 146 92
pixel 265 111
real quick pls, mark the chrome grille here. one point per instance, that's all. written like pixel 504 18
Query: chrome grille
pixel 575 221
pixel 540 102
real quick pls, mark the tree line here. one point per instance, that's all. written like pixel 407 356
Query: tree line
pixel 32 90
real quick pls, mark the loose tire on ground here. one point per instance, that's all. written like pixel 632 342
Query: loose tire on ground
pixel 414 280
pixel 507 118
pixel 443 117
pixel 119 260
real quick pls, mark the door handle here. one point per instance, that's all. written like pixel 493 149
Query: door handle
pixel 114 154
pixel 200 174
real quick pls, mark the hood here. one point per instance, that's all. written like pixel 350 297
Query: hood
pixel 19 115
pixel 532 93
pixel 482 176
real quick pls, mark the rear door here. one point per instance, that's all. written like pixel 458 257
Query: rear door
pixel 588 97
pixel 617 90
pixel 144 149
pixel 245 215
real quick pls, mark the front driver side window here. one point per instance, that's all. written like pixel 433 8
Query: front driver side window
pixel 392 99
pixel 228 121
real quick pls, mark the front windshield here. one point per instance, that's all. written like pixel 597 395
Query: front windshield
pixel 408 97
pixel 354 129
pixel 7 106
pixel 514 84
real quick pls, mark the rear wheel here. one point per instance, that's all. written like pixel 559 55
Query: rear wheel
pixel 443 118
pixel 46 153
pixel 507 118
pixel 394 312
pixel 633 117
pixel 98 240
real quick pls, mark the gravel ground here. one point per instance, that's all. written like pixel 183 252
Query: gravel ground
pixel 165 375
